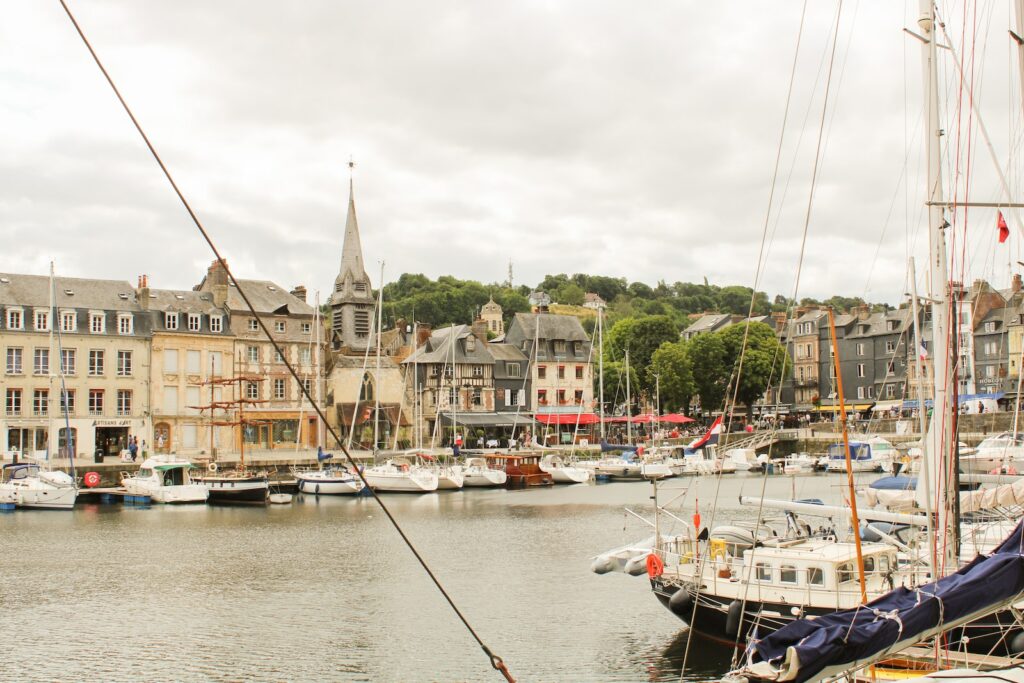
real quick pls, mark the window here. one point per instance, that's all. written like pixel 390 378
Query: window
pixel 40 402
pixel 125 323
pixel 305 355
pixel 216 323
pixel 189 436
pixel 278 358
pixel 192 400
pixel 193 362
pixel 68 405
pixel 579 396
pixel 890 368
pixel 67 361
pixel 14 401
pixel 432 371
pixel 542 371
pixel 869 564
pixel 561 372
pixel 453 396
pixel 68 321
pixel 815 576
pixel 787 574
pixel 359 286
pixel 763 572
pixel 42 321
pixel 990 371
pixel 306 328
pixel 254 325
pixel 559 346
pixel 448 371
pixel 579 372
pixel 96 362
pixel 890 346
pixel 860 349
pixel 478 396
pixel 561 397
pixel 124 363
pixel 307 385
pixel 513 369
pixel 542 397
pixel 171 321
pixel 170 360
pixel 478 371
pixel 95 401
pixel 279 326
pixel 97 323
pixel 279 392
pixel 845 573
pixel 860 392
pixel 41 362
pixel 990 327
pixel 253 354
pixel 14 321
pixel 14 366
pixel 871 391
pixel 362 322
pixel 195 322
pixel 890 390
pixel 252 391
pixel 170 400
pixel 62 440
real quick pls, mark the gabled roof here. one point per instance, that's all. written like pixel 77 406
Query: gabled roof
pixel 438 348
pixel 268 298
pixel 549 326
pixel 34 290
pixel 707 323
pixel 182 301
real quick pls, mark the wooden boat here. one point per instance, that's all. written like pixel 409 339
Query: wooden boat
pixel 521 470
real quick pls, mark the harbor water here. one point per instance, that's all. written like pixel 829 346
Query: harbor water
pixel 323 589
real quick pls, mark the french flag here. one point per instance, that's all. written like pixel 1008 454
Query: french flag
pixel 710 437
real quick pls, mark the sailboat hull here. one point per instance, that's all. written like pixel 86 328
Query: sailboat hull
pixel 237 490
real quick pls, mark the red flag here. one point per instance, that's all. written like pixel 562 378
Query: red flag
pixel 1004 231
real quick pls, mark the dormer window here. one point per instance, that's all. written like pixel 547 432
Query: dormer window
pixel 171 320
pixel 216 323
pixel 97 323
pixel 42 321
pixel 559 346
pixel 990 326
pixel 68 321
pixel 125 323
pixel 194 322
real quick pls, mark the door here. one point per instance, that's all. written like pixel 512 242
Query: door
pixel 162 437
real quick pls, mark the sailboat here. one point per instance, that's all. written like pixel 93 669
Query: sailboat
pixel 27 484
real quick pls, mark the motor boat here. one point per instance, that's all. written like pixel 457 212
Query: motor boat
pixel 999 453
pixel 563 473
pixel 798 463
pixel 398 475
pixel 629 469
pixel 334 480
pixel 28 486
pixel 476 473
pixel 235 487
pixel 745 459
pixel 861 458
pixel 165 480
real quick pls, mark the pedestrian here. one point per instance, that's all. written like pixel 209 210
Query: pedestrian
pixel 133 448
pixel 981 407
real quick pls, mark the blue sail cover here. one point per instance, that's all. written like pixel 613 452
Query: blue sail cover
pixel 858 451
pixel 804 648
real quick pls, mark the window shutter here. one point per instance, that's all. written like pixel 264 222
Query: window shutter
pixel 508 396
pixel 522 396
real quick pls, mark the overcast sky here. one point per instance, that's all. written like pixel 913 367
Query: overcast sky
pixel 616 138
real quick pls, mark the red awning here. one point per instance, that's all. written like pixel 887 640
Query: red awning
pixel 567 418
pixel 676 418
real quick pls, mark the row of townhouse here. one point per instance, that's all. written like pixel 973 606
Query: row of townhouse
pixel 138 362
pixel 879 358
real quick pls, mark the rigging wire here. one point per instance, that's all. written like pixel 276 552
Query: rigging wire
pixel 496 661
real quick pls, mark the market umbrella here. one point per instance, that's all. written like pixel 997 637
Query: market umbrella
pixel 676 418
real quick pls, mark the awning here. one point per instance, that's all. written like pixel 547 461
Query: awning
pixel 882 406
pixel 488 419
pixel 567 418
pixel 174 466
pixel 981 397
pixel 852 407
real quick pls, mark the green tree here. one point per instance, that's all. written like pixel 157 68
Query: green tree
pixel 642 336
pixel 765 360
pixel 571 295
pixel 671 364
pixel 710 372
pixel 615 385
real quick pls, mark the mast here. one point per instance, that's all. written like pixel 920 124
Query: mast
pixel 846 449
pixel 213 457
pixel 629 405
pixel 600 362
pixel 317 324
pixel 939 432
pixel 926 473
pixel 63 385
pixel 376 379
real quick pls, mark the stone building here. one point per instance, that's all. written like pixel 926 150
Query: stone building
pixel 91 335
pixel 491 314
pixel 288 418
pixel 192 344
pixel 805 340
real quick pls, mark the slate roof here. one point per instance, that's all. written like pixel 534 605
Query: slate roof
pixel 438 348
pixel 34 290
pixel 182 301
pixel 549 326
pixel 706 323
pixel 267 298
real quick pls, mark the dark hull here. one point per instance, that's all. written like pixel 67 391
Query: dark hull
pixel 237 491
pixel 716 619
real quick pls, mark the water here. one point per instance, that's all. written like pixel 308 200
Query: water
pixel 323 589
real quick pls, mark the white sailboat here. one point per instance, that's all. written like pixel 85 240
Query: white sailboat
pixel 477 473
pixel 563 473
pixel 398 475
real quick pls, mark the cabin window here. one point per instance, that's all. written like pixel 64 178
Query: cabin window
pixel 764 572
pixel 845 573
pixel 815 576
pixel 787 574
pixel 883 563
pixel 869 565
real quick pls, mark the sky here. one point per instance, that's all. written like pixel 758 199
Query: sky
pixel 610 138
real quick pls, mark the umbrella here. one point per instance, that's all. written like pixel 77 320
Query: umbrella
pixel 676 418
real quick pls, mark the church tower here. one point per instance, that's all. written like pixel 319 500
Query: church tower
pixel 352 299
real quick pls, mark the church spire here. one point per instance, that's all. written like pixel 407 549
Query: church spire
pixel 352 299
pixel 351 249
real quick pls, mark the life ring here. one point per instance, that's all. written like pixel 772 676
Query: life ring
pixel 212 467
pixel 655 567
pixel 91 479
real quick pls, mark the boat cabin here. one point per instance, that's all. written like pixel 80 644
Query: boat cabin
pixel 164 473
pixel 859 451
pixel 20 470
pixel 522 470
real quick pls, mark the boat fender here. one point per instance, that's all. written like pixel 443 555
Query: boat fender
pixel 655 567
pixel 732 618
pixel 636 566
pixel 212 467
pixel 91 479
pixel 317 489
pixel 681 604
pixel 1017 644
pixel 601 565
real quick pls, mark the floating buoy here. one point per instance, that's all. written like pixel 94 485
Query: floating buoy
pixel 212 467
pixel 696 521
pixel 680 603
pixel 655 567
pixel 91 479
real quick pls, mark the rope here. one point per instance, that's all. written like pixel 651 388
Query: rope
pixel 496 662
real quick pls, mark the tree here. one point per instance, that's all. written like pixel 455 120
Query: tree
pixel 710 373
pixel 764 361
pixel 615 385
pixel 571 295
pixel 671 364
pixel 642 336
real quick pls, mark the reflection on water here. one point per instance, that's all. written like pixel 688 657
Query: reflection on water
pixel 324 590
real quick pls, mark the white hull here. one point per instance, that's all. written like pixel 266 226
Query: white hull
pixel 633 472
pixel 43 497
pixel 855 466
pixel 450 478
pixel 188 493
pixel 329 485
pixel 569 475
pixel 388 478
pixel 483 477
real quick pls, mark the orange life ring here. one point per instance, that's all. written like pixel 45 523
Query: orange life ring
pixel 91 479
pixel 655 567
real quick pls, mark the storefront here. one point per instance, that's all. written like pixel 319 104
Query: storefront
pixel 567 428
pixel 486 430
pixel 26 438
pixel 368 418
pixel 279 430
pixel 36 438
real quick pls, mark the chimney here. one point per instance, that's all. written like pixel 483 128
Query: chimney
pixel 422 334
pixel 779 319
pixel 217 278
pixel 1015 286
pixel 863 312
pixel 480 329
pixel 299 293
pixel 142 292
